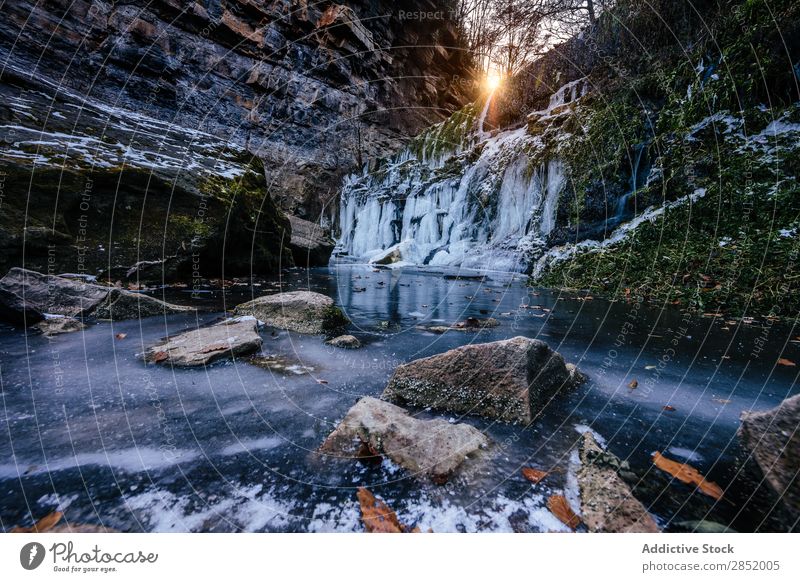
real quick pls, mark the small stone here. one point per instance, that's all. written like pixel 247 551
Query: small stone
pixel 348 342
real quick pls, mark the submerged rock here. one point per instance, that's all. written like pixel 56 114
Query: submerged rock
pixel 349 342
pixel 434 448
pixel 300 311
pixel 607 503
pixel 74 297
pixel 510 380
pixel 56 325
pixel 772 440
pixel 311 246
pixel 469 324
pixel 199 347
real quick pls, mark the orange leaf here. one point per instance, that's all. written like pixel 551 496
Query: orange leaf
pixel 785 362
pixel 120 336
pixel 45 524
pixel 559 506
pixel 534 475
pixel 687 474
pixel 669 408
pixel 634 384
pixel 160 356
pixel 376 515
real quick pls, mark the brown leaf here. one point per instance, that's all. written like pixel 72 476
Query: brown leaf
pixel 160 356
pixel 376 515
pixel 634 384
pixel 45 524
pixel 785 362
pixel 669 408
pixel 559 506
pixel 534 475
pixel 687 474
pixel 121 336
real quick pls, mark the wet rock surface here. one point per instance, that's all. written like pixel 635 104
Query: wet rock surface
pixel 772 439
pixel 199 347
pixel 72 297
pixel 299 311
pixel 432 448
pixel 607 503
pixel 510 380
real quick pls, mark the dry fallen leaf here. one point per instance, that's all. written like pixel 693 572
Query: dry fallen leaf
pixel 376 515
pixel 160 356
pixel 320 381
pixel 45 524
pixel 634 384
pixel 120 336
pixel 785 362
pixel 534 475
pixel 559 506
pixel 687 474
pixel 669 408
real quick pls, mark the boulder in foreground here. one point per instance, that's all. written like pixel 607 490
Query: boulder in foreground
pixel 199 347
pixel 607 504
pixel 510 380
pixel 77 298
pixel 299 311
pixel 772 439
pixel 434 448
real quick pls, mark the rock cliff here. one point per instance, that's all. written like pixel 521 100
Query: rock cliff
pixel 177 124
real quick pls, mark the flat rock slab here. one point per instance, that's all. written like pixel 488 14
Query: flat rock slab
pixel 607 503
pixel 772 438
pixel 199 347
pixel 299 311
pixel 77 298
pixel 432 448
pixel 510 380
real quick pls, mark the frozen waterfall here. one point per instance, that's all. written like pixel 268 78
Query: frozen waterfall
pixel 487 203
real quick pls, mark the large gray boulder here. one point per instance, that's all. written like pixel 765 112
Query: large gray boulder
pixel 78 298
pixel 300 311
pixel 607 504
pixel 199 347
pixel 431 448
pixel 772 439
pixel 510 380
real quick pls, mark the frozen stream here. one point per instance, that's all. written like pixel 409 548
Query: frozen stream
pixel 87 428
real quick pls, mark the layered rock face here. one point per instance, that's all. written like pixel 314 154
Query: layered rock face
pixel 137 130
